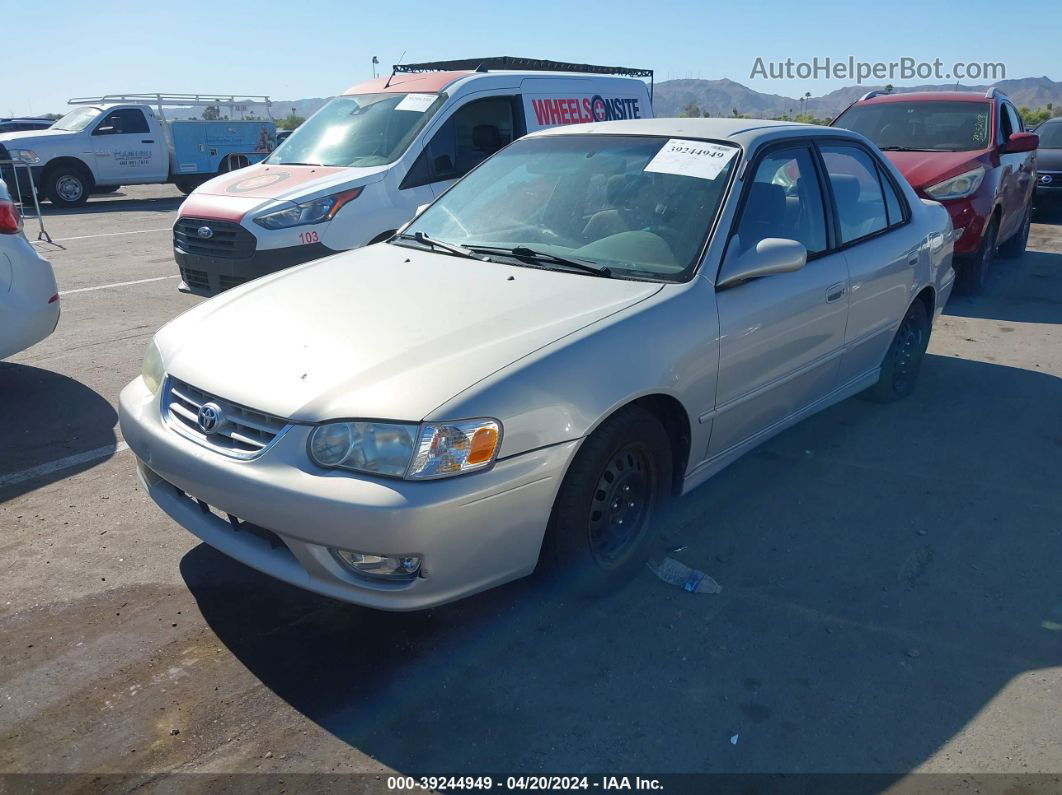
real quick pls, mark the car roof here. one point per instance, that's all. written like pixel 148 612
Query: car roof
pixel 926 96
pixel 747 132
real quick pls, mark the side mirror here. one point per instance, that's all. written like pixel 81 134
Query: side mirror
pixel 443 165
pixel 768 256
pixel 1021 142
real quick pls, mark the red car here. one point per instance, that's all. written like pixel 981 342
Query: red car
pixel 968 151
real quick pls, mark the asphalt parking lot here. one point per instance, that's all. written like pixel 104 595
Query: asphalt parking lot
pixel 892 597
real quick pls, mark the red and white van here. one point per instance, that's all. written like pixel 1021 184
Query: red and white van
pixel 359 168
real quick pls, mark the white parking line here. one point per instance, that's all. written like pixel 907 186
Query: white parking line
pixel 114 234
pixel 63 463
pixel 116 284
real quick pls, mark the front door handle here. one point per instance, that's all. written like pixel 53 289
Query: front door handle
pixel 147 140
pixel 835 292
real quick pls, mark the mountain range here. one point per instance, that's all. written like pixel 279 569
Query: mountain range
pixel 722 97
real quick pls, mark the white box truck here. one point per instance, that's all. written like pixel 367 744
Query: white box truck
pixel 126 139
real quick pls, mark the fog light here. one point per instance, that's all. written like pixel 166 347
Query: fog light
pixel 379 567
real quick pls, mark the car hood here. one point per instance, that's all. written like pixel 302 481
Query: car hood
pixel 1049 159
pixel 383 332
pixel 923 169
pixel 287 183
pixel 27 138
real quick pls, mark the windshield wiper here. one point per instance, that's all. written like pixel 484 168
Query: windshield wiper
pixel 904 149
pixel 524 252
pixel 441 245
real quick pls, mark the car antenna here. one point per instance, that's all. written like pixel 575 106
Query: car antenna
pixel 394 69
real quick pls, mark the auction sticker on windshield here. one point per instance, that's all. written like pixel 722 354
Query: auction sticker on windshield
pixel 417 102
pixel 691 158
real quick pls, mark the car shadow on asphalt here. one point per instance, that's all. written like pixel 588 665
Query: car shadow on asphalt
pixel 887 571
pixel 1025 290
pixel 163 204
pixel 48 417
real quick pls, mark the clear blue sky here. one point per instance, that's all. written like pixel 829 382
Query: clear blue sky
pixel 294 49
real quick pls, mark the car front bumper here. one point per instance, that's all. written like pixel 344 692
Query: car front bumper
pixel 472 532
pixel 208 276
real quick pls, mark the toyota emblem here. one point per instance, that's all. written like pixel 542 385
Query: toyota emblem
pixel 209 417
pixel 1046 179
pixel 205 232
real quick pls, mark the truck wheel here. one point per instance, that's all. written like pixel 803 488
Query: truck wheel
pixel 1015 247
pixel 68 186
pixel 974 271
pixel 604 520
pixel 186 186
pixel 899 371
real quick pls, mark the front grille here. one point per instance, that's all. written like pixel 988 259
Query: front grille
pixel 228 282
pixel 195 278
pixel 1056 178
pixel 226 240
pixel 240 432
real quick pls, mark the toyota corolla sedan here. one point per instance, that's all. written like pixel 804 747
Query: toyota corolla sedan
pixel 596 319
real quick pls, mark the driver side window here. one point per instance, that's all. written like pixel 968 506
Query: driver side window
pixel 784 200
pixel 472 134
pixel 122 122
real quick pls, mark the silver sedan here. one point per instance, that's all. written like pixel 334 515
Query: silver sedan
pixel 595 320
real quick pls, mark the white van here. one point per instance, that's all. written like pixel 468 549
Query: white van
pixel 359 168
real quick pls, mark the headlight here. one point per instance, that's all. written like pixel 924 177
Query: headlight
pixel 311 212
pixel 153 371
pixel 23 155
pixel 957 187
pixel 415 452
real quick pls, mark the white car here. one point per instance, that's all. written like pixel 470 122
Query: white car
pixel 29 300
pixel 593 320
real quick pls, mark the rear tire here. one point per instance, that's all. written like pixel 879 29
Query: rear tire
pixel 1015 246
pixel 68 186
pixel 602 528
pixel 973 273
pixel 186 186
pixel 899 370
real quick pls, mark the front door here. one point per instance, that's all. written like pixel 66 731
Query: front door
pixel 780 335
pixel 126 151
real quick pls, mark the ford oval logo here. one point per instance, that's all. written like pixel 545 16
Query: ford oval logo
pixel 209 417
pixel 205 232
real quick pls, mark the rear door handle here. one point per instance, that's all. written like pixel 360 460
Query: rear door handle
pixel 834 293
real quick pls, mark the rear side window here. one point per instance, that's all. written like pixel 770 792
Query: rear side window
pixel 893 203
pixel 784 200
pixel 857 191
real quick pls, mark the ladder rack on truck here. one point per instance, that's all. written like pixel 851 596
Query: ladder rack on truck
pixel 160 100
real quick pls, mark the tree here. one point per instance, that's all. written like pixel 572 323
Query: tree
pixel 290 122
pixel 888 88
pixel 690 111
pixel 211 113
pixel 1033 117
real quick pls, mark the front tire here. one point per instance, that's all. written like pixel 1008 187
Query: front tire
pixel 602 527
pixel 899 371
pixel 68 186
pixel 1015 246
pixel 973 274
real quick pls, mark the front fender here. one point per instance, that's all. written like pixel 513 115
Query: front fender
pixel 667 344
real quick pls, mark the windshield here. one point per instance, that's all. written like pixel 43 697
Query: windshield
pixel 77 119
pixel 928 126
pixel 1050 135
pixel 606 200
pixel 358 130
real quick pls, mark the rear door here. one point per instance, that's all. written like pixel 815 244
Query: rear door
pixel 127 149
pixel 880 247
pixel 781 335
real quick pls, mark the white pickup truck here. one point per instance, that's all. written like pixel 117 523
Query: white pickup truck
pixel 125 139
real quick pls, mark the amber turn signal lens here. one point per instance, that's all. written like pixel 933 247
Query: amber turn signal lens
pixel 483 443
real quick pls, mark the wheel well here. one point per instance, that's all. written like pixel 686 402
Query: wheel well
pixel 929 298
pixel 676 422
pixel 69 162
